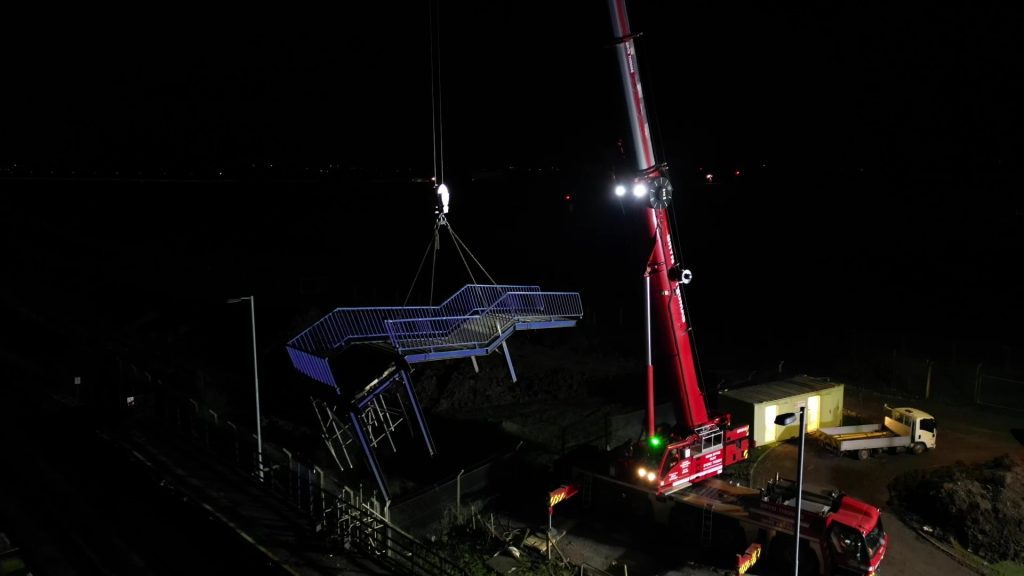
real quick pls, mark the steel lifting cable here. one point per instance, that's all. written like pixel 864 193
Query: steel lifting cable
pixel 433 263
pixel 673 225
pixel 651 99
pixel 437 144
pixel 436 97
pixel 431 244
pixel 468 251
pixel 434 246
pixel 461 256
pixel 673 229
pixel 437 127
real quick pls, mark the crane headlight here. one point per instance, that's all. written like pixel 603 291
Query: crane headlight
pixel 641 472
pixel 620 190
pixel 639 190
pixel 651 476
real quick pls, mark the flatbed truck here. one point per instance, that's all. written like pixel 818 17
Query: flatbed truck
pixel 904 429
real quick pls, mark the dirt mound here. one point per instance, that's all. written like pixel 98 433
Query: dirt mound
pixel 978 506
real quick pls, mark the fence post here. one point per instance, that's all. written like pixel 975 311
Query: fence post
pixel 387 529
pixel 892 378
pixel 458 496
pixel 257 461
pixel 234 436
pixel 977 382
pixel 287 487
pixel 928 381
pixel 317 471
pixel 310 473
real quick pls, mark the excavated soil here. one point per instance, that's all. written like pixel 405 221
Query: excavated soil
pixel 980 507
pixel 552 368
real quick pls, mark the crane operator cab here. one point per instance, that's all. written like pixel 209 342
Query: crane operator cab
pixel 669 462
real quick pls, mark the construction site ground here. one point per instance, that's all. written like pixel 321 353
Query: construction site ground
pixel 967 435
pixel 552 407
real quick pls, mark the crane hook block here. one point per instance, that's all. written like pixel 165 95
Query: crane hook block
pixel 442 199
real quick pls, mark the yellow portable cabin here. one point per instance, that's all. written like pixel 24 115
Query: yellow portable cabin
pixel 759 404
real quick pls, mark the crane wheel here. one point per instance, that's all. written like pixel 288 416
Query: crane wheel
pixel 863 454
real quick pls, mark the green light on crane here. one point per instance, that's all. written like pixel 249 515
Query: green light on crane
pixel 655 442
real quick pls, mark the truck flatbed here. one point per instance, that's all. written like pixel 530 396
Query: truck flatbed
pixel 885 433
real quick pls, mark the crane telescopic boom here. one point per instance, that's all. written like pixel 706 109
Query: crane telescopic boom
pixel 662 267
pixel 697 452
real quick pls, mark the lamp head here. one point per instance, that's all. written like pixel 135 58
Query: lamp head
pixel 785 419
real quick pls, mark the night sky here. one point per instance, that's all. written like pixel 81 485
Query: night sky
pixel 866 161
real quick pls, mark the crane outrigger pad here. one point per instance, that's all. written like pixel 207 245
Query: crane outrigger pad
pixel 472 322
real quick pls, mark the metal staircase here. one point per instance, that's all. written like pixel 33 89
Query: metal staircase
pixel 351 346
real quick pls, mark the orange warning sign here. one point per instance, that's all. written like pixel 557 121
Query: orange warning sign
pixel 562 493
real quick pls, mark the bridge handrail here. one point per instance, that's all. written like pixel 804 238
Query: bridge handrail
pixel 344 325
pixel 460 331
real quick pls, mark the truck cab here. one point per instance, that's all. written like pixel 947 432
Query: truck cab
pixel 918 425
pixel 845 533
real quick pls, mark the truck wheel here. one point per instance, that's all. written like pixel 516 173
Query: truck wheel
pixel 863 454
pixel 917 448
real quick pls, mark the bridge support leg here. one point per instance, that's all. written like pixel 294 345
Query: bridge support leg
pixel 371 458
pixel 476 367
pixel 418 412
pixel 508 358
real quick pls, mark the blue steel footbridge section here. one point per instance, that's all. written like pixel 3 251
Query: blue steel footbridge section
pixel 351 346
pixel 472 322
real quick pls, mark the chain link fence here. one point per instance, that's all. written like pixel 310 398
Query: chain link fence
pixel 347 518
pixel 999 391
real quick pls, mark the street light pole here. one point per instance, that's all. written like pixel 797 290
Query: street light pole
pixel 785 420
pixel 799 492
pixel 256 378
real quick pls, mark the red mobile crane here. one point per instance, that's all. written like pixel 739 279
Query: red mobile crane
pixel 700 445
pixel 845 534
